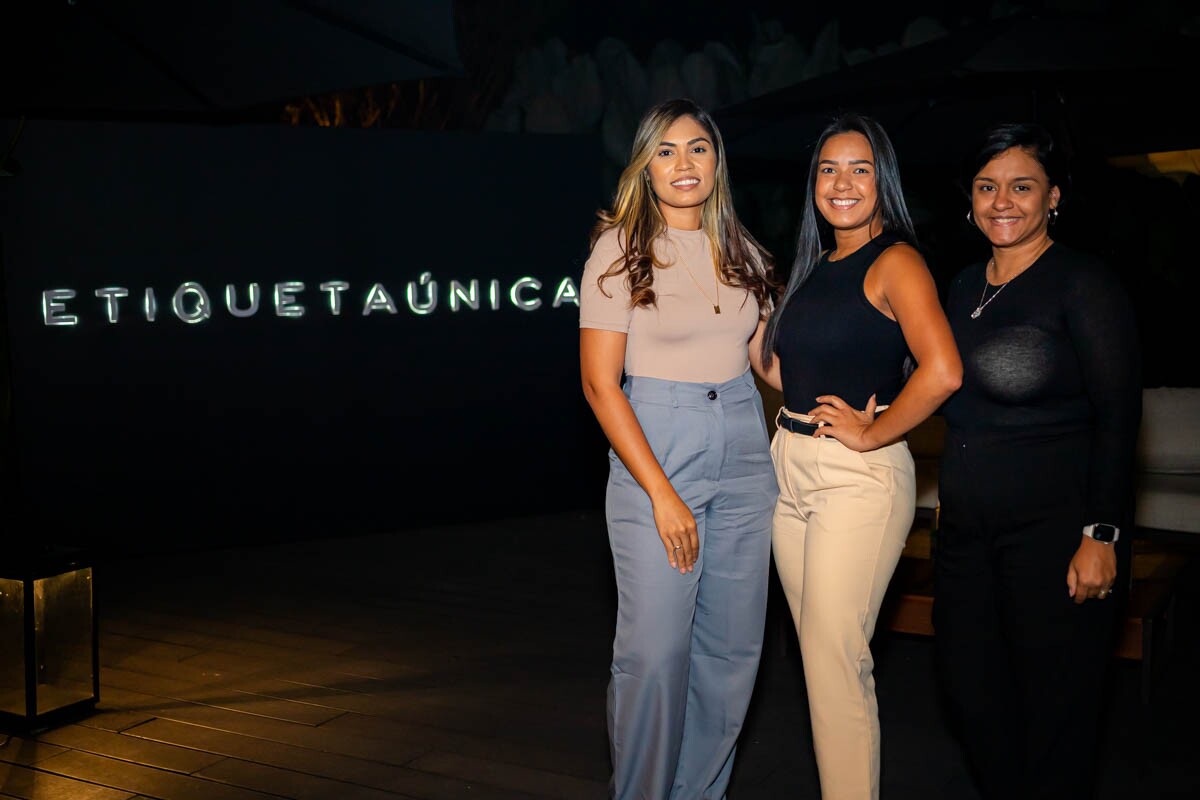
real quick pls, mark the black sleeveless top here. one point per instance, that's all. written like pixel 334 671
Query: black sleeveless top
pixel 831 340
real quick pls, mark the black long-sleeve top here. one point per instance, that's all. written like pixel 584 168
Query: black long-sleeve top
pixel 1055 353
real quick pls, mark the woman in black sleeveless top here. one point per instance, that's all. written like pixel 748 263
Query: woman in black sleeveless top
pixel 847 322
pixel 1036 481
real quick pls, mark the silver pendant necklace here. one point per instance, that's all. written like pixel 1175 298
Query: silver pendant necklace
pixel 982 302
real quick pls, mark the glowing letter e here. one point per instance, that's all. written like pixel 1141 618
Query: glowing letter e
pixel 52 307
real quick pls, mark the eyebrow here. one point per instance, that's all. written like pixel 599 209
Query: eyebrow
pixel 851 161
pixel 1014 180
pixel 690 141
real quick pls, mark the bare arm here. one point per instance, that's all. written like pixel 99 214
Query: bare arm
pixel 770 375
pixel 899 284
pixel 601 361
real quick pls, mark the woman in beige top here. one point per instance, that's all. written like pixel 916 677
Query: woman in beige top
pixel 672 294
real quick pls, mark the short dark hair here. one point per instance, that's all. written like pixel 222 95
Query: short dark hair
pixel 1028 136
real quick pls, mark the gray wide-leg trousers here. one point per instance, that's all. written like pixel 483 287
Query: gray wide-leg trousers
pixel 687 646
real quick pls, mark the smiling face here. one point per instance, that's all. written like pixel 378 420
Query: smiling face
pixel 845 191
pixel 682 172
pixel 1011 198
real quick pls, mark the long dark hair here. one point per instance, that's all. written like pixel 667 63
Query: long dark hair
pixel 890 209
pixel 741 260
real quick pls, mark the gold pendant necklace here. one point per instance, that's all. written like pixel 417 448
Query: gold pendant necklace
pixel 716 304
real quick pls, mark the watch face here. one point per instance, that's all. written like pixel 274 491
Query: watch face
pixel 1104 533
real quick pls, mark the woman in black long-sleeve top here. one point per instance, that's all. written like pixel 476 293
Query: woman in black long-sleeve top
pixel 1036 482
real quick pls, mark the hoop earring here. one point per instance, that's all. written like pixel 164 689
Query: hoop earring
pixel 1052 215
pixel 970 219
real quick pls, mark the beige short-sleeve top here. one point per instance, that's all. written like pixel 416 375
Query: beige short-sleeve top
pixel 679 338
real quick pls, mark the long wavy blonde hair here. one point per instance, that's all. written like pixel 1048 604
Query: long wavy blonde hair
pixel 741 261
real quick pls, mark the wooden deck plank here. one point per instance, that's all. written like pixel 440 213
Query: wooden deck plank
pixel 109 718
pixel 489 711
pixel 334 679
pixel 346 623
pixel 538 782
pixel 386 741
pixel 185 670
pixel 291 784
pixel 27 752
pixel 400 781
pixel 199 671
pixel 241 664
pixel 129 748
pixel 117 646
pixel 137 779
pixel 492 708
pixel 28 784
pixel 224 697
pixel 399 667
pixel 115 622
pixel 364 622
pixel 359 771
pixel 395 670
pixel 389 751
pixel 221 626
pixel 332 699
pixel 424 786
pixel 588 759
pixel 206 641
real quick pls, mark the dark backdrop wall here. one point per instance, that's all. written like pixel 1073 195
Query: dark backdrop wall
pixel 142 434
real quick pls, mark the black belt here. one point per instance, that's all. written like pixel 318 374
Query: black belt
pixel 794 425
pixel 799 426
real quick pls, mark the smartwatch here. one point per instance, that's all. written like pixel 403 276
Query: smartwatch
pixel 1102 532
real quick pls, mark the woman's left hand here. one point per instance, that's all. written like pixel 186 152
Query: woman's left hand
pixel 1092 570
pixel 841 421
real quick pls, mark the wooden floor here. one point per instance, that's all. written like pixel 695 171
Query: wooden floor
pixel 464 662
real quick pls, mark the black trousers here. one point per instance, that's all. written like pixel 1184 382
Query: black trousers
pixel 1023 666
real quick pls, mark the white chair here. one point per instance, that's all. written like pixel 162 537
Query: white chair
pixel 1167 500
pixel 1166 522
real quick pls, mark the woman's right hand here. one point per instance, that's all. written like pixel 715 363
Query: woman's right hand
pixel 677 529
pixel 601 362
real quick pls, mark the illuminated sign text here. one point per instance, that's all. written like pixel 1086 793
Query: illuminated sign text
pixel 192 303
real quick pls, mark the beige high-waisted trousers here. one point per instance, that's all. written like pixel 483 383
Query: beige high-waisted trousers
pixel 840 525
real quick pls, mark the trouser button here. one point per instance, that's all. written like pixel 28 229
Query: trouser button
pixel 712 395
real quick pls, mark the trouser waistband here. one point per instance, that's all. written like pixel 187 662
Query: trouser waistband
pixel 688 394
pixel 803 423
